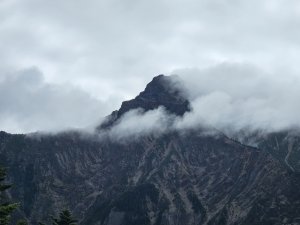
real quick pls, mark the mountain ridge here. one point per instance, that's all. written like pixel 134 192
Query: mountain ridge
pixel 174 178
pixel 161 91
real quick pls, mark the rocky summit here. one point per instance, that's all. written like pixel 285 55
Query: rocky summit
pixel 164 91
pixel 174 178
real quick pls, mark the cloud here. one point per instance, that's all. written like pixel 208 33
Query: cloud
pixel 137 123
pixel 115 45
pixel 29 103
pixel 111 48
pixel 231 97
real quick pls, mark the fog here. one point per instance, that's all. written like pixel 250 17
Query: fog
pixel 227 97
pixel 96 54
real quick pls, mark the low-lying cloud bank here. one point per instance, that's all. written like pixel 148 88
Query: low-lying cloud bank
pixel 238 96
pixel 28 103
pixel 227 97
pixel 137 123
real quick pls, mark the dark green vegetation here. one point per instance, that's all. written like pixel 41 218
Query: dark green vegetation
pixel 65 218
pixel 6 207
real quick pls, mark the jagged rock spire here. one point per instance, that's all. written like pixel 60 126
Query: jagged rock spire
pixel 161 91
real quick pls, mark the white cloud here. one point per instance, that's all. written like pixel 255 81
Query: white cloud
pixel 112 48
pixel 28 103
pixel 227 97
pixel 238 96
pixel 137 123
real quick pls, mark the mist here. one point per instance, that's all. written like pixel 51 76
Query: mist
pixel 229 97
pixel 29 104
pixel 232 96
pixel 107 51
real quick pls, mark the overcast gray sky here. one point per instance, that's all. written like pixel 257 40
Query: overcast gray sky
pixel 68 63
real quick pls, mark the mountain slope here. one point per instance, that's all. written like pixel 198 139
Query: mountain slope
pixel 200 180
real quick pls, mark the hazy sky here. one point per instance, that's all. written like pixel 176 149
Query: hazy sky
pixel 68 63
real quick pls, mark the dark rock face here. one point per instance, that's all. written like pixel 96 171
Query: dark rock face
pixel 158 93
pixel 161 91
pixel 282 145
pixel 180 179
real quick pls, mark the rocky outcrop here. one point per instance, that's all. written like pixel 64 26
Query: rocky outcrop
pixel 165 91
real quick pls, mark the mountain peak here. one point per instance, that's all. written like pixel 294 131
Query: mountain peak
pixel 161 84
pixel 161 91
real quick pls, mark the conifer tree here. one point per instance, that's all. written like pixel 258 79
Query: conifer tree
pixel 22 222
pixel 65 218
pixel 6 208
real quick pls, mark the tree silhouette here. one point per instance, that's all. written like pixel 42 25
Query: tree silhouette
pixel 22 222
pixel 6 208
pixel 65 218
